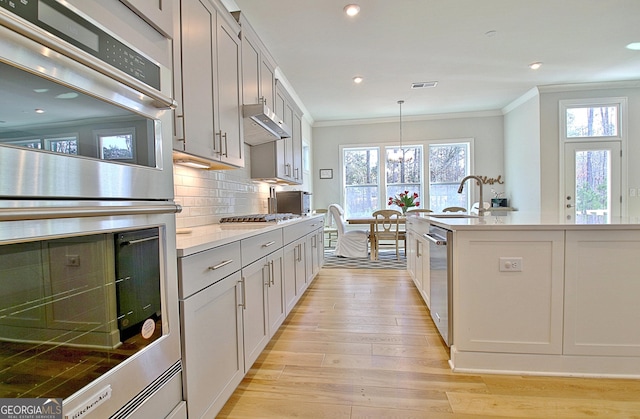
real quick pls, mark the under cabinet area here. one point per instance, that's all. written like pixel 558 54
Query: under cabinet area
pixel 208 85
pixel 234 295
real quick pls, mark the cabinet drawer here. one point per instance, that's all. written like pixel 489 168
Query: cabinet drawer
pixel 202 269
pixel 294 232
pixel 261 245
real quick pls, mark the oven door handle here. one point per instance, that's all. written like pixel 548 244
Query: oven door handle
pixel 129 242
pixel 437 240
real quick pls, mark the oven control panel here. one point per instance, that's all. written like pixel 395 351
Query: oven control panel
pixel 68 25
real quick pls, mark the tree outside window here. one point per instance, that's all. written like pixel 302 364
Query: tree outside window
pixel 404 171
pixel 448 164
pixel 592 121
pixel 361 175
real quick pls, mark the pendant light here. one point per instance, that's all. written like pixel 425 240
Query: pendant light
pixel 400 102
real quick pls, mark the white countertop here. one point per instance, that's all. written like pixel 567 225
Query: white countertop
pixel 527 221
pixel 197 239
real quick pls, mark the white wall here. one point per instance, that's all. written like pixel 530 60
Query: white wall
pixel 522 153
pixel 486 129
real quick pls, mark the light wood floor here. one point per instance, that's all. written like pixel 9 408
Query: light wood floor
pixel 360 344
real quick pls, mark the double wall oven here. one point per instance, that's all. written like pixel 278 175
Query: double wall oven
pixel 88 278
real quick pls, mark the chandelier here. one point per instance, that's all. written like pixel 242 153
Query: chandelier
pixel 399 155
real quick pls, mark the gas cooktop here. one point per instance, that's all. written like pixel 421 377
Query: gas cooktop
pixel 259 218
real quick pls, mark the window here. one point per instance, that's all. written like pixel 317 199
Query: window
pixel 448 164
pixel 361 175
pixel 64 145
pixel 592 121
pixel 403 168
pixel 366 189
pixel 116 144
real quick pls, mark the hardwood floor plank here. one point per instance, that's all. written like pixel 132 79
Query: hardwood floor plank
pixel 361 344
pixel 541 407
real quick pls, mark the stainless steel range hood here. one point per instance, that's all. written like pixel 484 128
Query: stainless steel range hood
pixel 262 125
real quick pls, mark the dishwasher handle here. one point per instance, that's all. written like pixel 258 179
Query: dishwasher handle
pixel 437 240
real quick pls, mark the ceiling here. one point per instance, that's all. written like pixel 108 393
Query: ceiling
pixel 478 51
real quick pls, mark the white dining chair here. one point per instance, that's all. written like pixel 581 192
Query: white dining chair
pixel 350 243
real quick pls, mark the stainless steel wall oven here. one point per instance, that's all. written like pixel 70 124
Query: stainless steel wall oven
pixel 88 277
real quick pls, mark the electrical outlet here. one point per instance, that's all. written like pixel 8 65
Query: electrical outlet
pixel 510 264
pixel 632 192
pixel 73 260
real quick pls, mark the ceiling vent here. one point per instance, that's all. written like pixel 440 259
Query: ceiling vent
pixel 424 84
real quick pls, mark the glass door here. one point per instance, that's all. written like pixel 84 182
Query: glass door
pixel 592 181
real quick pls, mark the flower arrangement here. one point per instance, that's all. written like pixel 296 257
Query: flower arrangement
pixel 404 200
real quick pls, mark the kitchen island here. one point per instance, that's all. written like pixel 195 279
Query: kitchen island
pixel 532 295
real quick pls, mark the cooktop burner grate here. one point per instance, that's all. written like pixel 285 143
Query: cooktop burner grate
pixel 258 218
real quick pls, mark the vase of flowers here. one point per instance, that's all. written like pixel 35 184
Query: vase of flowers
pixel 404 200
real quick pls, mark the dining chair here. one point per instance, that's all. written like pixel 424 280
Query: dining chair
pixel 418 210
pixel 386 227
pixel 350 243
pixel 454 209
pixel 330 230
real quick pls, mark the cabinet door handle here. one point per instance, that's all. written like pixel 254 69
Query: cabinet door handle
pixel 220 265
pixel 243 304
pixel 215 149
pixel 272 273
pixel 226 145
pixel 418 254
pixel 271 243
pixel 268 268
pixel 287 169
pixel 300 253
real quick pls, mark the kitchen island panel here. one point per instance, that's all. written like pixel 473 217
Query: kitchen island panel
pixel 509 311
pixel 602 287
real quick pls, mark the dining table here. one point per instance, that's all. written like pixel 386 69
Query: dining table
pixel 371 221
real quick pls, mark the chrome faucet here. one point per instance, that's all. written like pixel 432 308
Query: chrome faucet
pixel 477 178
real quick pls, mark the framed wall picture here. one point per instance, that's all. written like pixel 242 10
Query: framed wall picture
pixel 326 173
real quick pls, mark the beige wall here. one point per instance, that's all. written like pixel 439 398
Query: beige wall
pixel 485 129
pixel 522 153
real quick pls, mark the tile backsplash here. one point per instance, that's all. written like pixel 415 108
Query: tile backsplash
pixel 208 195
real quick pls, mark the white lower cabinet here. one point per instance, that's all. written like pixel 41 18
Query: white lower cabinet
pixel 212 346
pixel 276 307
pixel 254 310
pixel 294 272
pixel 418 258
pixel 231 309
pixel 263 308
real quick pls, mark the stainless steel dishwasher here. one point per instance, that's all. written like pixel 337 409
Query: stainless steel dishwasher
pixel 440 241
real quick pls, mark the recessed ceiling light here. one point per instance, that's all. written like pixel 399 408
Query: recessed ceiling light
pixel 635 46
pixel 40 90
pixel 358 79
pixel 535 66
pixel 39 110
pixel 352 9
pixel 68 95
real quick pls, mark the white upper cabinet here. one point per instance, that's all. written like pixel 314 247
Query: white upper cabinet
pixel 208 85
pixel 258 68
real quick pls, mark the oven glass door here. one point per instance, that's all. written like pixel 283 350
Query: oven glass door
pixel 42 115
pixel 73 308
